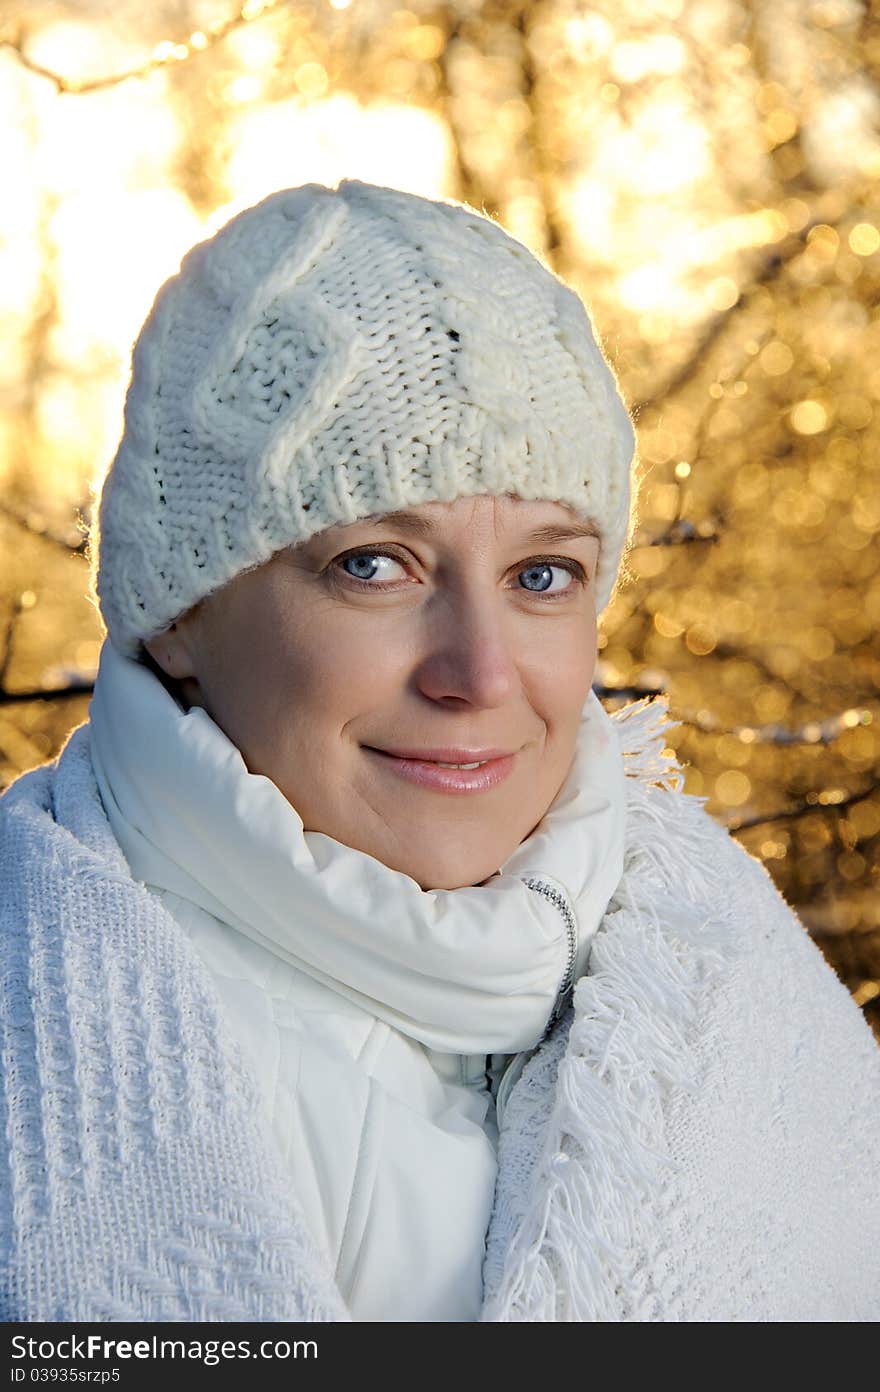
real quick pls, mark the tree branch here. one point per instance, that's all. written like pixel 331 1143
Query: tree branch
pixel 773 266
pixel 165 54
pixel 824 731
pixel 678 533
pixel 801 809
pixel 61 693
pixel 43 532
pixel 455 26
pixel 6 657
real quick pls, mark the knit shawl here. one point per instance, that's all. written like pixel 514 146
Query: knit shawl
pixel 697 1138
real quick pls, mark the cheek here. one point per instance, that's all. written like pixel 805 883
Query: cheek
pixel 560 701
pixel 329 664
pixel 259 656
pixel 295 669
pixel 568 669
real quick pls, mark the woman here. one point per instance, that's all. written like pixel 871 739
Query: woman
pixel 359 965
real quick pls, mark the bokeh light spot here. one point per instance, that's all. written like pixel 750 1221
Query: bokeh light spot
pixel 733 787
pixel 809 417
pixel 776 359
pixel 864 239
pixel 723 293
pixel 700 640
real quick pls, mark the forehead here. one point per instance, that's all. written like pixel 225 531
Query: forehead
pixel 509 518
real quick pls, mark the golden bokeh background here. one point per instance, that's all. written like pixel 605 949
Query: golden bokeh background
pixel 706 173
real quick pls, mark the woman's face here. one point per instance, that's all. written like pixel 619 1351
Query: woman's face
pixel 455 630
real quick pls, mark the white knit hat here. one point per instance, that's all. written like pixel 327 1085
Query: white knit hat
pixel 333 354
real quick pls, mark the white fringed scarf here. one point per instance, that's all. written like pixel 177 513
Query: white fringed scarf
pixel 697 1139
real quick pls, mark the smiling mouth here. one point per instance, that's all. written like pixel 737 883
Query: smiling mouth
pixel 446 758
pixel 447 775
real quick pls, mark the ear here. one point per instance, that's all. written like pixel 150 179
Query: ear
pixel 171 651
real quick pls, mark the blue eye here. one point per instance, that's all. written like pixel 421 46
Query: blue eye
pixel 363 565
pixel 542 576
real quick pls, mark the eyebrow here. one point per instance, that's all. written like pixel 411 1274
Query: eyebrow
pixel 547 535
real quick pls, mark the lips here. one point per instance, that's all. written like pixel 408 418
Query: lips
pixel 446 754
pixel 432 772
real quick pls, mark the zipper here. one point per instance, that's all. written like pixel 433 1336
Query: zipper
pixel 514 1069
pixel 556 897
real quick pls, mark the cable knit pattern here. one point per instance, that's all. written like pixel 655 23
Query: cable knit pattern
pixel 333 354
pixel 697 1139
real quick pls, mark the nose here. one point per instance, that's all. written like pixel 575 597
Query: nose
pixel 469 657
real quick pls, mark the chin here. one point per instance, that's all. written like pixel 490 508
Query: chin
pixel 453 873
pixel 429 882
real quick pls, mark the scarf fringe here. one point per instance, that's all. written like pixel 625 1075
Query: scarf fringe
pixel 641 729
pixel 604 1157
